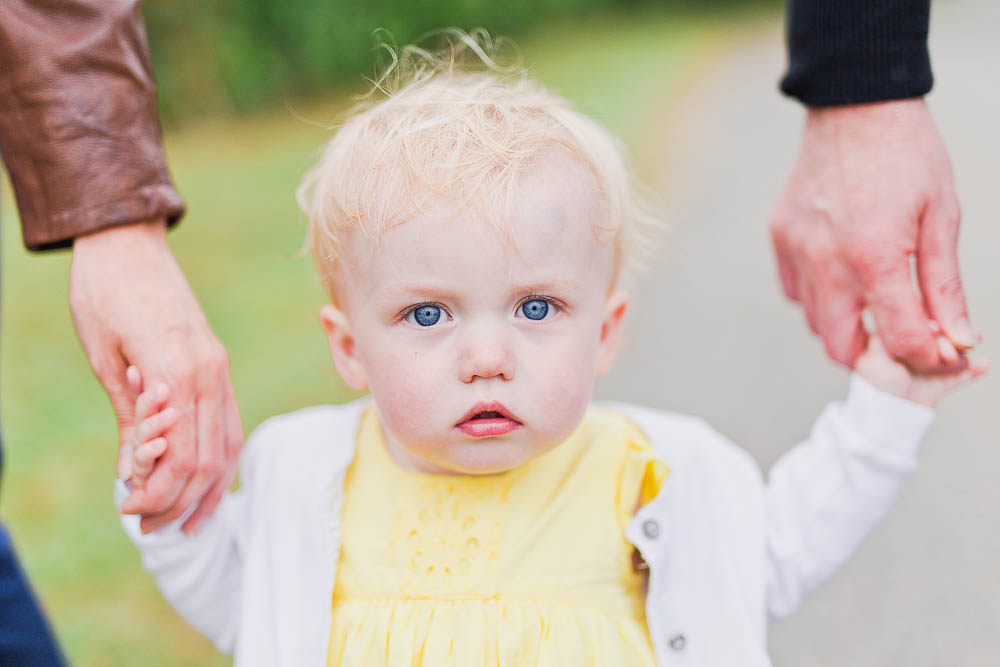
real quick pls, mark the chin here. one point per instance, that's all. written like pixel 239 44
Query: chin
pixel 488 456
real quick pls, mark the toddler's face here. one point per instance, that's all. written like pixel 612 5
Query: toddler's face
pixel 480 355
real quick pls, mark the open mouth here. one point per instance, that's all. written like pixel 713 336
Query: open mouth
pixel 488 420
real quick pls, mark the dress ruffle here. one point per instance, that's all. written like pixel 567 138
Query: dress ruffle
pixel 469 633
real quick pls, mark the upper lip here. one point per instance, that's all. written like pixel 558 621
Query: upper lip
pixel 488 406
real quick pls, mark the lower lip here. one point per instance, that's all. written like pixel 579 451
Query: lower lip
pixel 485 428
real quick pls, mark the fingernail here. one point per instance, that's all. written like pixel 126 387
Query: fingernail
pixel 947 349
pixel 161 391
pixel 964 336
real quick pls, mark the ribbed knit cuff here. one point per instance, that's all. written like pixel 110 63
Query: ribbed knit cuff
pixel 890 423
pixel 857 51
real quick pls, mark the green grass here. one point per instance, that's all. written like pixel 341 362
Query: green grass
pixel 238 246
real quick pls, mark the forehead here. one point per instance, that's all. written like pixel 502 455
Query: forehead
pixel 553 231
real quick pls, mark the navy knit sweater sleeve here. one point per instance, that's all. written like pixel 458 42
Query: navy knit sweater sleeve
pixel 854 51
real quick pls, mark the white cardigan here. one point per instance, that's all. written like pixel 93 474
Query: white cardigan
pixel 726 551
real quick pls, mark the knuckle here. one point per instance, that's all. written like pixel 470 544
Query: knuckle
pixel 950 287
pixel 211 469
pixel 182 467
pixel 870 260
pixel 951 213
pixel 218 359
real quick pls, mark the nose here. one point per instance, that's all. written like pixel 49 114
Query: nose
pixel 486 353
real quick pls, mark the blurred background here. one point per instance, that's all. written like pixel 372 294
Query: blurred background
pixel 247 89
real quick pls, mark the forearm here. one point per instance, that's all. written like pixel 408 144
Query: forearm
pixel 199 574
pixel 78 125
pixel 824 496
pixel 857 51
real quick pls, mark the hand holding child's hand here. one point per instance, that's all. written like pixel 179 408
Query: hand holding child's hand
pixel 152 420
pixel 893 377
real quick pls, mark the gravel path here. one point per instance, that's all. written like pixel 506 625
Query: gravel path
pixel 712 335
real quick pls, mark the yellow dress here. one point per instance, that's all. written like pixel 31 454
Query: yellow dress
pixel 529 567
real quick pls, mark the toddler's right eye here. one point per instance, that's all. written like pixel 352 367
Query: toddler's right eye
pixel 425 316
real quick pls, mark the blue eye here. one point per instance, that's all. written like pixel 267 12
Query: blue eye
pixel 425 316
pixel 535 309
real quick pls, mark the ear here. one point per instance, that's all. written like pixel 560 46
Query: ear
pixel 611 330
pixel 342 347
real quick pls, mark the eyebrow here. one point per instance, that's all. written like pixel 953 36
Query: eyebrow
pixel 418 290
pixel 543 287
pixel 441 291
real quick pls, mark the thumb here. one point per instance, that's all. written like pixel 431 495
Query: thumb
pixel 938 273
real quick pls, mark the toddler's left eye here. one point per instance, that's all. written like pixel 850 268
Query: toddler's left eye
pixel 535 309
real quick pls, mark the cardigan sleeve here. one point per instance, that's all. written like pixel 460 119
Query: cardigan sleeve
pixel 79 131
pixel 200 575
pixel 824 496
pixel 856 51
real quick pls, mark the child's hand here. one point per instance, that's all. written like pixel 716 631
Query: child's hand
pixel 152 419
pixel 890 376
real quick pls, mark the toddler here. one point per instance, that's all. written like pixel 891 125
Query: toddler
pixel 473 231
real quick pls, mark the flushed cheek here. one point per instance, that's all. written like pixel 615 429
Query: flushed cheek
pixel 562 383
pixel 408 389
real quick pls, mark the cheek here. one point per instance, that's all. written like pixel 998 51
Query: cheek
pixel 405 383
pixel 563 374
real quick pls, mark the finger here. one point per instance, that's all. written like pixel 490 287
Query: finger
pixel 979 368
pixel 150 402
pixel 175 468
pixel 211 433
pixel 111 372
pixel 786 265
pixel 234 425
pixel 145 456
pixel 207 504
pixel 156 424
pixel 234 443
pixel 938 272
pixel 807 297
pixel 838 314
pixel 949 354
pixel 134 378
pixel 900 317
pixel 956 380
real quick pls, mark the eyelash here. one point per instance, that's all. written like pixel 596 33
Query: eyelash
pixel 553 302
pixel 405 314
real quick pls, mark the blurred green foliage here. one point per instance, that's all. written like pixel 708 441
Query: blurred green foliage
pixel 232 56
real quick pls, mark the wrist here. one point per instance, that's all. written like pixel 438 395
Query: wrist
pixel 889 421
pixel 887 110
pixel 145 231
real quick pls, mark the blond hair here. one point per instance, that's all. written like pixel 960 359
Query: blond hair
pixel 432 128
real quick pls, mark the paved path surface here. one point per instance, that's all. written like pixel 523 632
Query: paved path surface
pixel 712 336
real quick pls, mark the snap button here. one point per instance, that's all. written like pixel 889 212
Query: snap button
pixel 651 529
pixel 678 642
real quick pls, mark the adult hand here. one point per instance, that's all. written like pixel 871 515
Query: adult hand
pixel 132 305
pixel 872 187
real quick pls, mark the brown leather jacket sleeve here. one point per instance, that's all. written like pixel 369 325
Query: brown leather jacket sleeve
pixel 79 131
